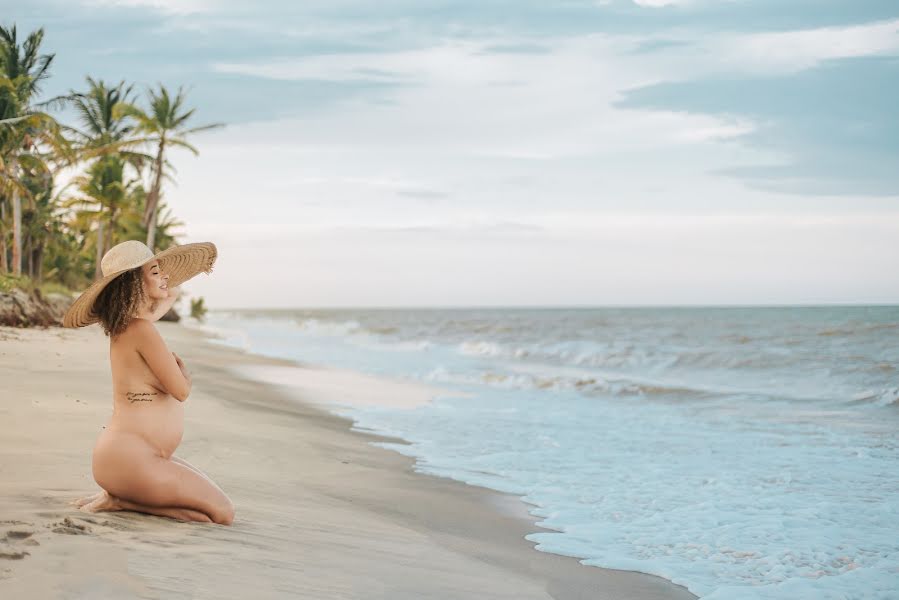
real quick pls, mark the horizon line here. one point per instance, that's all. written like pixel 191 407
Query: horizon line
pixel 562 307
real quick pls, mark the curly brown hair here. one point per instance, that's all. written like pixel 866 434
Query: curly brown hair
pixel 119 301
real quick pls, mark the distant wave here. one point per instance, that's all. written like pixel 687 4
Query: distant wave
pixel 480 348
pixel 886 397
pixel 326 327
pixel 623 387
pixel 591 354
pixel 667 365
pixel 585 384
pixel 861 329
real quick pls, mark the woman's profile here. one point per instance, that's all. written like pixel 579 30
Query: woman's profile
pixel 133 459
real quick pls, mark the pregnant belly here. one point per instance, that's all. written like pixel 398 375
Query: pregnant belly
pixel 160 423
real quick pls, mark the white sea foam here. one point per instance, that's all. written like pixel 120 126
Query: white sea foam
pixel 328 327
pixel 477 348
pixel 879 397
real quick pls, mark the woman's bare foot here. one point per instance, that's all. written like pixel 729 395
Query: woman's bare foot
pixel 103 502
pixel 86 500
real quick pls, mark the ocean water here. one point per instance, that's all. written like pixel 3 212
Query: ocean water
pixel 745 453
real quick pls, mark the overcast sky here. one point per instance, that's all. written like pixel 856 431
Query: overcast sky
pixel 519 152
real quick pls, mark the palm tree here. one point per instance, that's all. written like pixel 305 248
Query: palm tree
pixel 105 195
pixel 22 69
pixel 9 180
pixel 38 215
pixel 165 126
pixel 132 225
pixel 105 129
pixel 165 223
pixel 106 137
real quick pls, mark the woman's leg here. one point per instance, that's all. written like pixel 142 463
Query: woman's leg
pixel 181 514
pixel 181 461
pixel 167 484
pixel 131 471
pixel 103 502
pixel 96 496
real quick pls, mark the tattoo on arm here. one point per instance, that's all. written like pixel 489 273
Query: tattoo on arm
pixel 140 396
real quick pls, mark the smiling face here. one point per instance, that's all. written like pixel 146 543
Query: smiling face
pixel 155 281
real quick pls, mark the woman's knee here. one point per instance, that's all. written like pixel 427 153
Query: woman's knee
pixel 223 514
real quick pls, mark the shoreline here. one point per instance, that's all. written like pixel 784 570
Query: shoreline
pixel 321 512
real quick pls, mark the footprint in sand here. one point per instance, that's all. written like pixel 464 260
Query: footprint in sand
pixel 110 524
pixel 14 538
pixel 23 537
pixel 70 527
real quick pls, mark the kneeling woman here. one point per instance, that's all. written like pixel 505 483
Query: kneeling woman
pixel 133 459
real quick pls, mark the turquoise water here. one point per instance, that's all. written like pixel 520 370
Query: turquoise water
pixel 740 452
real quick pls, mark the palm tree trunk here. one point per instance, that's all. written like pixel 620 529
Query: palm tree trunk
pixel 39 261
pixel 151 233
pixel 32 263
pixel 153 196
pixel 4 265
pixel 16 223
pixel 26 253
pixel 16 233
pixel 109 230
pixel 98 273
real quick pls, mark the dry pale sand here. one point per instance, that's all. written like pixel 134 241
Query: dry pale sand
pixel 321 513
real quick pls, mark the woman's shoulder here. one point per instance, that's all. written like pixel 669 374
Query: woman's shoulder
pixel 138 327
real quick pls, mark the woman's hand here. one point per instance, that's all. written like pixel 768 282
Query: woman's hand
pixel 181 366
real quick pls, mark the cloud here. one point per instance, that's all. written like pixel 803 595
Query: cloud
pixel 835 126
pixel 791 51
pixel 689 56
pixel 518 48
pixel 659 3
pixel 452 230
pixel 170 7
pixel 656 44
pixel 293 69
pixel 428 195
pixel 450 97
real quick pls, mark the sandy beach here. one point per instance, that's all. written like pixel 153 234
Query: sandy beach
pixel 320 512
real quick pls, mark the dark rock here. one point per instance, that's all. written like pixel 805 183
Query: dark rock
pixel 22 309
pixel 171 315
pixel 60 303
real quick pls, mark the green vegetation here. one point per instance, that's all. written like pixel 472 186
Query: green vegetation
pixel 197 308
pixel 26 284
pixel 114 159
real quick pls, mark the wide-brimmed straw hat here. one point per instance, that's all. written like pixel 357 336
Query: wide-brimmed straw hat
pixel 179 262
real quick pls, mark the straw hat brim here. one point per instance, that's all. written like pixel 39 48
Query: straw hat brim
pixel 180 262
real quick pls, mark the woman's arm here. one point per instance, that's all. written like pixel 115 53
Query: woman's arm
pixel 166 365
pixel 165 305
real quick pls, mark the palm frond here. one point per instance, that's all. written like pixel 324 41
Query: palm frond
pixel 182 144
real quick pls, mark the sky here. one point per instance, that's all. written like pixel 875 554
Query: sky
pixel 518 153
